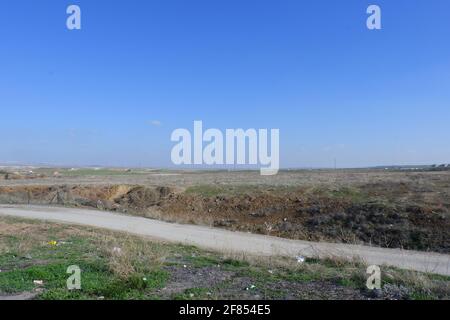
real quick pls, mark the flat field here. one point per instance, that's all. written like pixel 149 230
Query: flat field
pixel 386 208
pixel 383 208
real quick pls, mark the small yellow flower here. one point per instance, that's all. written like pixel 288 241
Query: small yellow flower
pixel 53 243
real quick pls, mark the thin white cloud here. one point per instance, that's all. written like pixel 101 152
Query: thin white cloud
pixel 155 123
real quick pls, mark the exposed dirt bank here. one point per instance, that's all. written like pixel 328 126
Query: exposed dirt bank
pixel 320 215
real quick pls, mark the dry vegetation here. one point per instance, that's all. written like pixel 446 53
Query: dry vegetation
pixel 120 266
pixel 390 209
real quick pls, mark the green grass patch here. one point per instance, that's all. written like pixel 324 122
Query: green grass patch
pixel 27 256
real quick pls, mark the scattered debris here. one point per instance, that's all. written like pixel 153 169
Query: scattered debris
pixel 300 259
pixel 396 292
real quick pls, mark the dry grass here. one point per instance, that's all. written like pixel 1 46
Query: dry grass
pixel 132 255
pixel 311 202
pixel 127 255
pixel 22 243
pixel 422 283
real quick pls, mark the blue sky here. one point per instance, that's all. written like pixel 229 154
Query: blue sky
pixel 112 93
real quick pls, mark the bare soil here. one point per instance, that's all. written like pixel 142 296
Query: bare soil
pixel 407 210
pixel 230 285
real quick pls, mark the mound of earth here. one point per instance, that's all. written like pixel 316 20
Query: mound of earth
pixel 294 214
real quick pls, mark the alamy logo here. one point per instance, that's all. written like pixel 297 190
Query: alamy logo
pixel 74 20
pixel 374 20
pixel 235 147
pixel 74 281
pixel 374 279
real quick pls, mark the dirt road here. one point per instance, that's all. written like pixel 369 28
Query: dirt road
pixel 236 242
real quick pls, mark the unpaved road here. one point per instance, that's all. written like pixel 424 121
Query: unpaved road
pixel 236 242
